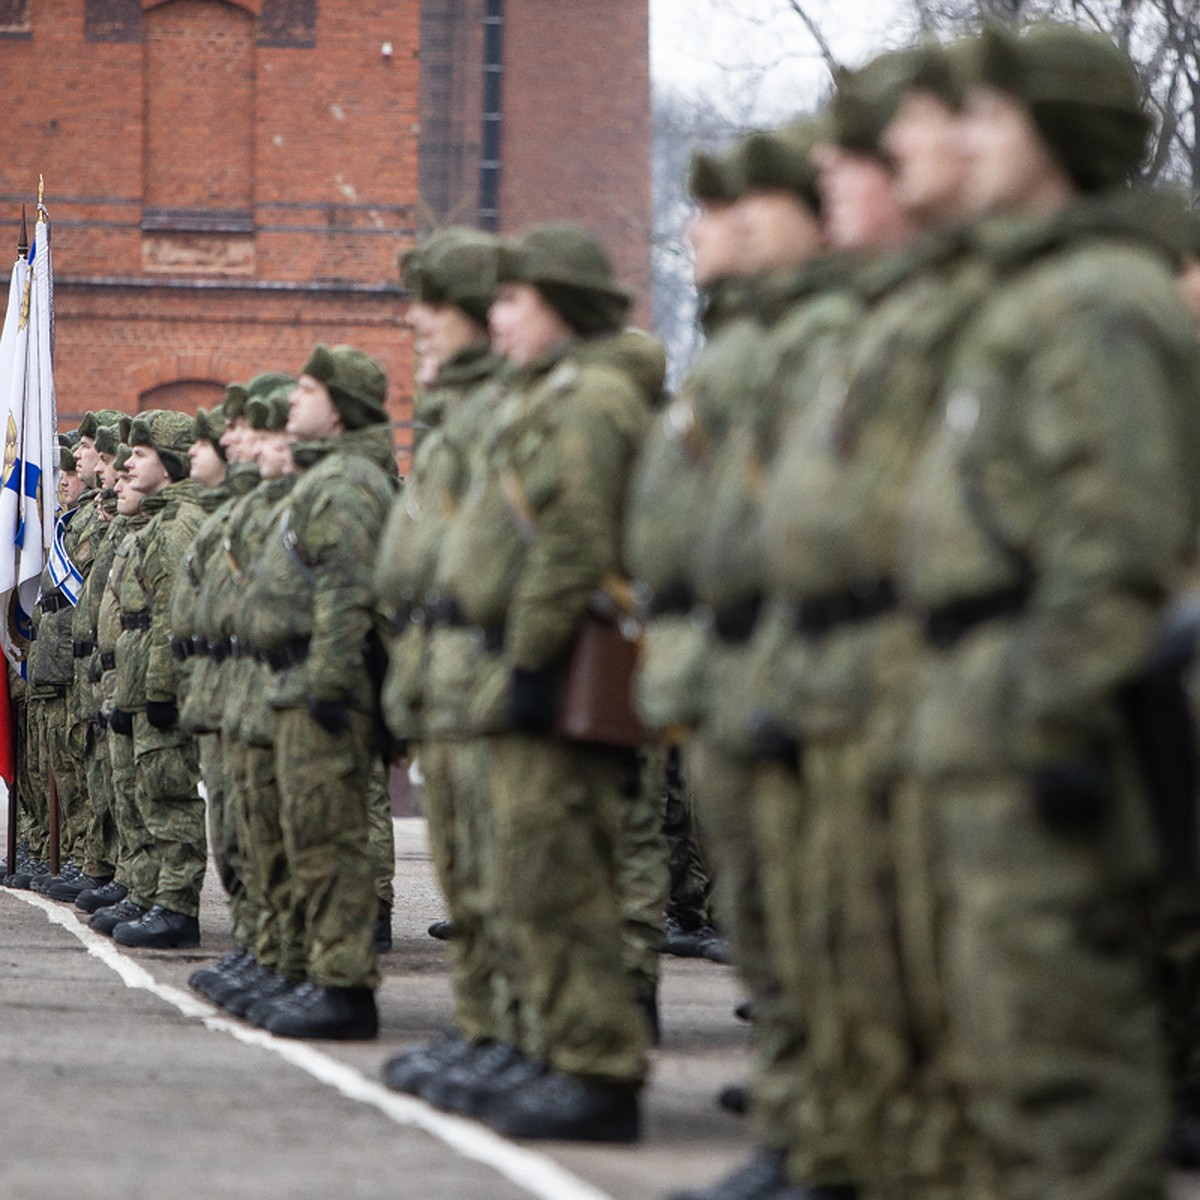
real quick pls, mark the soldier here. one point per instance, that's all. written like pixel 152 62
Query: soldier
pixel 51 674
pixel 310 615
pixel 1051 509
pixel 130 893
pixel 451 283
pixel 89 669
pixel 537 536
pixel 166 768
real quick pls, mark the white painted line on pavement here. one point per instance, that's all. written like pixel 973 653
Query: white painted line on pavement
pixel 540 1176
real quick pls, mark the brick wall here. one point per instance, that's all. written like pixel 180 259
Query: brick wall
pixel 228 184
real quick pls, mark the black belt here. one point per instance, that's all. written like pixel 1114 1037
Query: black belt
pixel 182 649
pixel 289 655
pixel 674 598
pixel 447 611
pixel 735 623
pixel 945 625
pixel 139 620
pixel 53 603
pixel 219 651
pixel 82 649
pixel 108 660
pixel 817 615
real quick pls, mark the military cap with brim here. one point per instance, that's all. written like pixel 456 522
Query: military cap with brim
pixel 169 434
pixel 455 266
pixel 712 178
pixel 865 100
pixel 356 382
pixel 780 159
pixel 573 273
pixel 1082 92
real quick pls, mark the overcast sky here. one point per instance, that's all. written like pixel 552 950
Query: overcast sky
pixel 758 53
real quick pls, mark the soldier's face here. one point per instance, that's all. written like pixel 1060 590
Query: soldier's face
pixel 208 468
pixel 233 438
pixel 1188 282
pixel 311 413
pixel 275 454
pixel 1010 169
pixel 925 143
pixel 524 326
pixel 127 499
pixel 86 459
pixel 146 471
pixel 778 230
pixel 716 235
pixel 440 331
pixel 860 206
pixel 70 488
pixel 106 473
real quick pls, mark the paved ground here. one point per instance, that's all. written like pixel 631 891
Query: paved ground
pixel 122 1094
pixel 123 1084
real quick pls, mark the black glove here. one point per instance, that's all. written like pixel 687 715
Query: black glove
pixel 532 701
pixel 1071 796
pixel 773 743
pixel 332 715
pixel 121 722
pixel 162 714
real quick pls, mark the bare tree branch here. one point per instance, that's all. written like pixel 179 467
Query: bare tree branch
pixel 817 36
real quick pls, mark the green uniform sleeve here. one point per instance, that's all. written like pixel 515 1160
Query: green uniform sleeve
pixel 163 560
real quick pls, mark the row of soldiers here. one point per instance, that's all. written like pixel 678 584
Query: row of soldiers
pixel 902 546
pixel 196 622
pixel 897 554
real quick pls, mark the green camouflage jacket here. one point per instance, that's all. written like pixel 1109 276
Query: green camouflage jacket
pixel 311 587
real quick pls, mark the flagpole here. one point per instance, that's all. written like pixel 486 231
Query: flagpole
pixel 22 252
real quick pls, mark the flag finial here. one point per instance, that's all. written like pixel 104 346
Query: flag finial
pixel 23 238
pixel 41 192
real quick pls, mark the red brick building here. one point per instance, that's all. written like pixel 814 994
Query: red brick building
pixel 229 180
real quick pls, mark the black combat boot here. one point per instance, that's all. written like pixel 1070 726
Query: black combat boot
pixel 105 920
pixel 467 1086
pixel 442 930
pixel 203 979
pixel 314 1011
pixel 412 1068
pixel 567 1108
pixel 111 893
pixel 760 1177
pixel 68 891
pixel 266 997
pixel 159 929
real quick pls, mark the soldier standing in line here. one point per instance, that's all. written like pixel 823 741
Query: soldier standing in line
pixel 311 614
pixel 836 682
pixel 89 668
pixel 537 537
pixel 166 767
pixel 130 893
pixel 451 284
pixel 1051 510
pixel 51 674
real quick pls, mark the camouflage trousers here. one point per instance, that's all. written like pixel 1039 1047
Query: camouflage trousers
pixel 61 750
pixel 101 837
pixel 725 789
pixel 277 940
pixel 220 787
pixel 166 775
pixel 642 872
pixel 689 879
pixel 558 812
pixel 32 787
pixel 831 910
pixel 456 799
pixel 1174 940
pixel 382 832
pixel 324 780
pixel 1030 988
pixel 135 863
